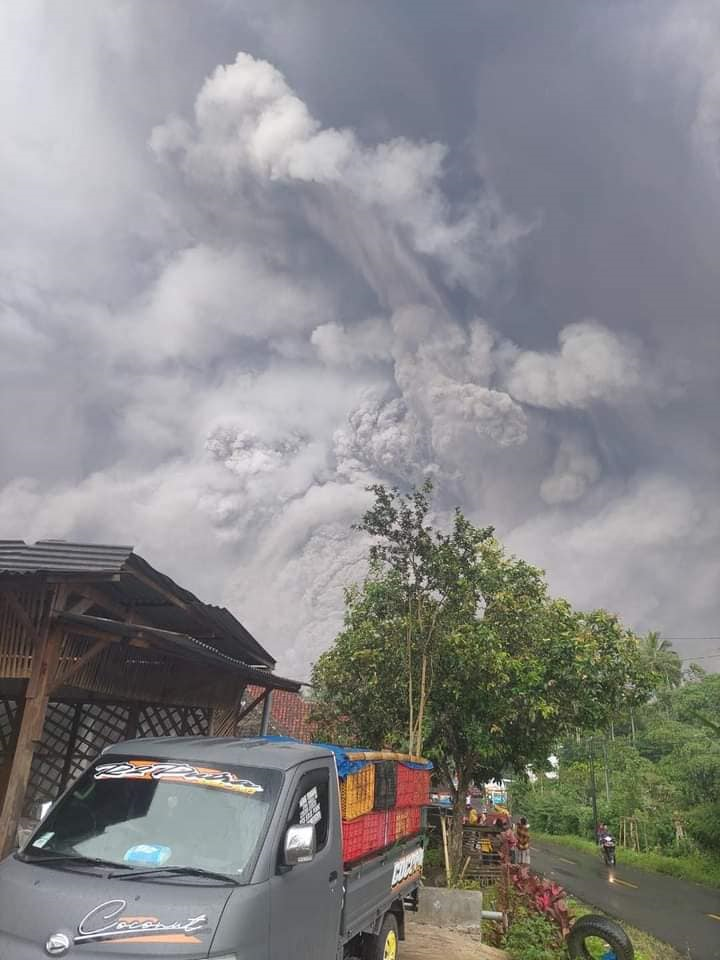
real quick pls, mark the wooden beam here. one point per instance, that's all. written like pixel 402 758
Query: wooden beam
pixel 258 700
pixel 70 752
pixel 21 583
pixel 45 660
pixel 133 720
pixel 71 579
pixel 160 591
pixel 97 648
pixel 98 599
pixel 81 606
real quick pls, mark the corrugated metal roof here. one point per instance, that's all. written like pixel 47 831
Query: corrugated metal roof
pixel 59 556
pixel 192 617
pixel 189 643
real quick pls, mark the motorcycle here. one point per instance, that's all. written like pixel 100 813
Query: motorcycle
pixel 607 847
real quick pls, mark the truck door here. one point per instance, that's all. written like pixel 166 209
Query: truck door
pixel 306 902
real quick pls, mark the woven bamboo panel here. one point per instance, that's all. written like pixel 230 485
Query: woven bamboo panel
pixel 16 647
pixel 8 718
pixel 91 727
pixel 223 722
pixel 152 676
pixel 162 721
pixel 197 722
pixel 101 725
pixel 49 758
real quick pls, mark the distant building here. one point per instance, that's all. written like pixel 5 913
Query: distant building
pixel 289 715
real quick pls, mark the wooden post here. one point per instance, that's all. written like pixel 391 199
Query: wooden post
pixel 45 661
pixel 267 707
pixel 70 752
pixel 443 828
pixel 133 720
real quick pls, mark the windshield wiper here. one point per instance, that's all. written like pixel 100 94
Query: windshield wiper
pixel 140 874
pixel 72 858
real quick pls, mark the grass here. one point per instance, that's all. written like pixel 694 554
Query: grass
pixel 698 869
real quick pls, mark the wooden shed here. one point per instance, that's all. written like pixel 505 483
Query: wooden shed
pixel 97 646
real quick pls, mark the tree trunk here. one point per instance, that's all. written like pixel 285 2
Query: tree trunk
pixel 411 705
pixel 607 778
pixel 421 707
pixel 456 831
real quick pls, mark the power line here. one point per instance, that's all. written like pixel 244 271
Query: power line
pixel 674 639
pixel 704 655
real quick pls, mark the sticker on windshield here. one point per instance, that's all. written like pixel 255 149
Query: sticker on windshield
pixel 43 840
pixel 176 773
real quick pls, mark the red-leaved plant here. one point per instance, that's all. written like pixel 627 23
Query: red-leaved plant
pixel 544 896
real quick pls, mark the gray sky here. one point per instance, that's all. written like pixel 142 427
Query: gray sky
pixel 256 255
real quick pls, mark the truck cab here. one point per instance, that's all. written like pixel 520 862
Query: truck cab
pixel 196 848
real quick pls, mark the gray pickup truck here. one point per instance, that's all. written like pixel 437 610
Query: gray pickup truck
pixel 190 848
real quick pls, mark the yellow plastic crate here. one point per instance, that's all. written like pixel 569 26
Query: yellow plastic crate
pixel 357 793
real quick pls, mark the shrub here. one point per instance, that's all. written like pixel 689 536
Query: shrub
pixel 531 937
pixel 703 825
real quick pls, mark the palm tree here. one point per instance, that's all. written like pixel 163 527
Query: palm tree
pixel 661 659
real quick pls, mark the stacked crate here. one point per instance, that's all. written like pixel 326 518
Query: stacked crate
pixel 381 804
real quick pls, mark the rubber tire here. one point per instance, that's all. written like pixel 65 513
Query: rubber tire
pixel 375 946
pixel 593 926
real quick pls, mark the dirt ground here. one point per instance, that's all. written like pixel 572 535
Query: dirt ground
pixel 430 943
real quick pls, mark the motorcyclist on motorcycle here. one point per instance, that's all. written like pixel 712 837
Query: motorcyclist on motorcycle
pixel 606 844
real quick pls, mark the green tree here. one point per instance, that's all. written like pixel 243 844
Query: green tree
pixel 453 644
pixel 432 579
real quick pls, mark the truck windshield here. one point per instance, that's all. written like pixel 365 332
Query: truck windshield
pixel 143 813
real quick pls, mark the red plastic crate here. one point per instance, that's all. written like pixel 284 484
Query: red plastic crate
pixel 413 787
pixel 363 836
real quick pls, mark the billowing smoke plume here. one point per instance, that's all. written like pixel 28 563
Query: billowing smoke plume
pixel 238 288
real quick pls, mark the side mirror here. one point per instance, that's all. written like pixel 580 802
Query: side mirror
pixel 299 846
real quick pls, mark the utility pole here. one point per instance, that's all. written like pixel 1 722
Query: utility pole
pixel 593 786
pixel 607 778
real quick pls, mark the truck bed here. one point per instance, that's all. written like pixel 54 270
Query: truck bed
pixel 371 887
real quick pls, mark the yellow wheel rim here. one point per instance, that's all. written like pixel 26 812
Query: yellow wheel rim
pixel 390 946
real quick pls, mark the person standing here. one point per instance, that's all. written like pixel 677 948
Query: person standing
pixel 523 842
pixel 509 840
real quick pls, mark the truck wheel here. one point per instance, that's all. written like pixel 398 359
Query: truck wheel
pixel 591 937
pixel 385 945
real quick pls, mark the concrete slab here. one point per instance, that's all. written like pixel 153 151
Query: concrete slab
pixel 453 909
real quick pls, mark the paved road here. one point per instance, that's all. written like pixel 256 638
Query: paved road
pixel 685 915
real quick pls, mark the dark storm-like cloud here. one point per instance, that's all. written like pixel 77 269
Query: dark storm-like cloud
pixel 258 255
